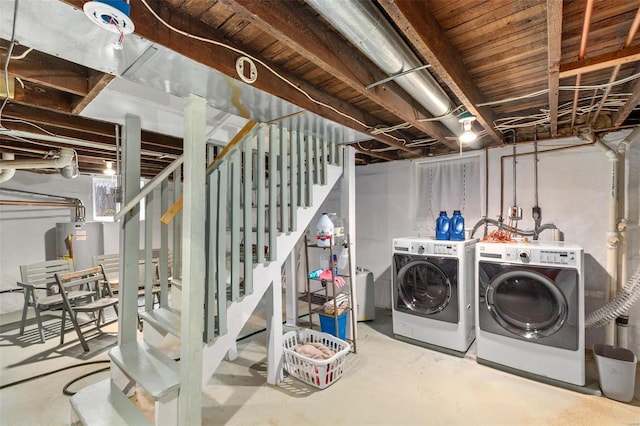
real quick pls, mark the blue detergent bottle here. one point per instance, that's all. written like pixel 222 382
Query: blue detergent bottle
pixel 442 226
pixel 456 226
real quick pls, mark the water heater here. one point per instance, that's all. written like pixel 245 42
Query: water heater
pixel 80 241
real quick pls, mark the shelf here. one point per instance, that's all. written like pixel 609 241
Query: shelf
pixel 318 298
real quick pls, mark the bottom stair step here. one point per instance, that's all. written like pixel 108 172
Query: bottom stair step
pixel 158 374
pixel 104 404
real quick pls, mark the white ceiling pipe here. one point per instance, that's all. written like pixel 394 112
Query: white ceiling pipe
pixel 65 158
pixel 6 174
pixel 365 26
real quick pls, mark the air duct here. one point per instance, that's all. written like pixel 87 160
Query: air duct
pixel 365 26
pixel 8 165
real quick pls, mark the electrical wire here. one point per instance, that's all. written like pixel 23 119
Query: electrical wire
pixel 274 72
pixel 6 62
pixel 65 389
pixel 545 91
pixel 49 373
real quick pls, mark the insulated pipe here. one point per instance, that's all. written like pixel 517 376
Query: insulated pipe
pixel 622 322
pixel 6 173
pixel 65 158
pixel 365 26
pixel 612 234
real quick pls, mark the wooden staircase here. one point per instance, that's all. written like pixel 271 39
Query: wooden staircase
pixel 241 219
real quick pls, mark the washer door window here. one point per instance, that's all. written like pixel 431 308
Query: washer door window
pixel 526 303
pixel 424 288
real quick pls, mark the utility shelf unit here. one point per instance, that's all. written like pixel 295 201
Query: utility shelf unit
pixel 316 299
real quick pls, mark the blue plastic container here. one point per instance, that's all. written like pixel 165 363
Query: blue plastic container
pixel 456 226
pixel 328 325
pixel 442 226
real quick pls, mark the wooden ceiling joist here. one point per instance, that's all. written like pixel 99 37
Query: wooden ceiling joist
pixel 554 43
pixel 606 60
pixel 305 34
pixel 423 31
pixel 284 85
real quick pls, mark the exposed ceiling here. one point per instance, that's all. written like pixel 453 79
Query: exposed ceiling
pixel 514 64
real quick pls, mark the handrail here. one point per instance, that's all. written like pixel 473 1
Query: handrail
pixel 150 186
pixel 173 211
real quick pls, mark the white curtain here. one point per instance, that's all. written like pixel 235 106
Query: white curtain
pixel 446 186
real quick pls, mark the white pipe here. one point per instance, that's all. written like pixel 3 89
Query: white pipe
pixel 612 235
pixel 6 174
pixel 65 158
pixel 622 322
pixel 365 26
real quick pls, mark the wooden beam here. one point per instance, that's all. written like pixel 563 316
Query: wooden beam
pixel 87 125
pixel 380 155
pixel 632 102
pixel 304 33
pixel 44 97
pixel 223 59
pixel 554 43
pixel 423 31
pixel 97 82
pixel 48 71
pixel 606 60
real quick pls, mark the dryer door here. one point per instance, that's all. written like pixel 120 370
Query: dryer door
pixel 424 288
pixel 526 303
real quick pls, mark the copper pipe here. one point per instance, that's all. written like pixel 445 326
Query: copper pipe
pixel 581 55
pixel 614 74
pixel 36 203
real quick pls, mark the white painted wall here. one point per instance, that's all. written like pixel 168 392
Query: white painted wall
pixel 28 234
pixel 572 188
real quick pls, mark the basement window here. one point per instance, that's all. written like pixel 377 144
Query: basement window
pixel 448 185
pixel 106 199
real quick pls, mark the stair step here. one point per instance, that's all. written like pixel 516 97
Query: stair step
pixel 157 374
pixel 103 404
pixel 164 318
pixel 177 282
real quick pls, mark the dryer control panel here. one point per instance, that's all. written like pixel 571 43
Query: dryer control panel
pixel 442 248
pixel 541 256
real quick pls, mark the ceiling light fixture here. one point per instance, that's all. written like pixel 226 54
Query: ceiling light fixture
pixel 111 15
pixel 468 135
pixel 108 168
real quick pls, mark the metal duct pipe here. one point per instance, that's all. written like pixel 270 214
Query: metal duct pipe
pixel 365 26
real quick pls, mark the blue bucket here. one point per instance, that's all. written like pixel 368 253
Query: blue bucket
pixel 328 325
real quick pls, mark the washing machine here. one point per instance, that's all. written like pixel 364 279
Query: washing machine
pixel 530 313
pixel 432 293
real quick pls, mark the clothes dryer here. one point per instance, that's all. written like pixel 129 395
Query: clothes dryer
pixel 432 292
pixel 530 314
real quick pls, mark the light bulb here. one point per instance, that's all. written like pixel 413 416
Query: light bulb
pixel 468 137
pixel 109 169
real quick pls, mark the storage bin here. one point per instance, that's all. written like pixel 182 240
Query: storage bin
pixel 318 373
pixel 328 325
pixel 616 371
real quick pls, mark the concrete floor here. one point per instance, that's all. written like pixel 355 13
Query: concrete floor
pixel 388 382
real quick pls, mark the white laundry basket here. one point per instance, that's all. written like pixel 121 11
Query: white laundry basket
pixel 318 373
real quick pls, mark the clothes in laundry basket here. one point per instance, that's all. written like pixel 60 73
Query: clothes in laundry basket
pixel 314 350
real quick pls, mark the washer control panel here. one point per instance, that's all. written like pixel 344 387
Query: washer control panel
pixel 425 248
pixel 541 256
